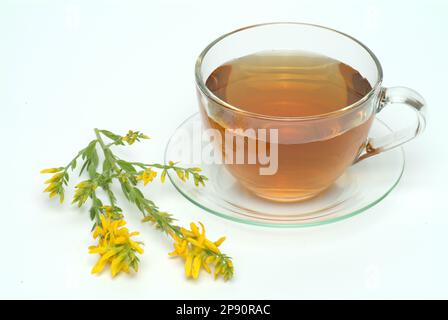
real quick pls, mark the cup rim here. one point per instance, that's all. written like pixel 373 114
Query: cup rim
pixel 203 88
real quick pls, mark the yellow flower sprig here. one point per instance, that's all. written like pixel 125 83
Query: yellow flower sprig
pixel 147 175
pixel 83 192
pixel 56 182
pixel 199 253
pixel 115 246
pixel 114 243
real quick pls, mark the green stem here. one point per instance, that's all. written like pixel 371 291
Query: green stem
pixel 106 151
pixel 94 200
pixel 109 195
pixel 191 171
pixel 157 165
pixel 113 162
pixel 100 140
pixel 70 163
pixel 111 159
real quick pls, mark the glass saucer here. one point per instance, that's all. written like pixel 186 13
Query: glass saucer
pixel 362 186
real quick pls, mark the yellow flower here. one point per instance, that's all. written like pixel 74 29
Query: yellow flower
pixel 196 266
pixel 130 137
pixel 115 246
pixel 51 170
pixel 133 136
pixel 55 183
pixel 54 178
pixel 199 252
pixel 113 212
pixel 146 176
pixel 108 210
pixel 84 190
pixel 188 262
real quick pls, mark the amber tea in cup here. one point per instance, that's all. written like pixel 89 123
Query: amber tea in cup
pixel 318 88
pixel 294 84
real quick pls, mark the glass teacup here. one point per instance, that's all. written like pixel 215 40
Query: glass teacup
pixel 297 157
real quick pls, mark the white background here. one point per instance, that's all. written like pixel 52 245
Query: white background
pixel 69 66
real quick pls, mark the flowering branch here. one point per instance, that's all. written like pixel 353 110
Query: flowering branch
pixel 115 246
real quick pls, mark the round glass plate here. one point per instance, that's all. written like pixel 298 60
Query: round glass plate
pixel 363 185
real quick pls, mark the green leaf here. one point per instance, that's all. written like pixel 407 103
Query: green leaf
pixel 86 163
pixel 97 202
pixel 111 135
pixel 107 166
pixel 126 166
pixel 90 148
pixel 162 177
pixel 138 193
pixel 73 164
pixel 125 189
pixel 93 164
pixel 93 213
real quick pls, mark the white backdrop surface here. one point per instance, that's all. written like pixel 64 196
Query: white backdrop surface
pixel 69 66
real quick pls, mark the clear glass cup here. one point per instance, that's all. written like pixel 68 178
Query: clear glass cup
pixel 313 138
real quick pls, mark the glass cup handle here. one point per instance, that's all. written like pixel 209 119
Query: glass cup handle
pixel 391 96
